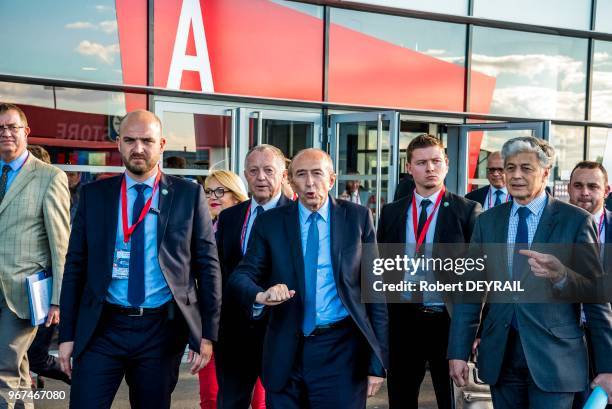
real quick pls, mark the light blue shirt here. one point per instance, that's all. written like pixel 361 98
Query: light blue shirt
pixel 536 206
pixel 490 199
pixel 328 305
pixel 15 166
pixel 157 291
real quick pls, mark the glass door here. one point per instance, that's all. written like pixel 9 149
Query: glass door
pixel 469 147
pixel 288 130
pixel 363 147
pixel 200 138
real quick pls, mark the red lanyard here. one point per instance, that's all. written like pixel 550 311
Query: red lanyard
pixel 421 237
pixel 244 228
pixel 491 195
pixel 127 231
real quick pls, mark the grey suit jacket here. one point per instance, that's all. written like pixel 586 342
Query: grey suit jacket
pixel 551 333
pixel 35 226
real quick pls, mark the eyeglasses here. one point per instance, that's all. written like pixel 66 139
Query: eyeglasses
pixel 218 193
pixel 12 128
pixel 495 170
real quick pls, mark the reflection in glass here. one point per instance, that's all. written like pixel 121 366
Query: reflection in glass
pixel 202 141
pixel 384 60
pixel 557 13
pixel 481 145
pixel 458 7
pixel 601 97
pixel 600 147
pixel 357 161
pixel 568 142
pixel 72 39
pixel 76 126
pixel 536 75
pixel 288 136
pixel 603 22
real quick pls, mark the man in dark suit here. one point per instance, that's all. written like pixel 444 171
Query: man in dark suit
pixel 418 328
pixel 404 188
pixel 588 188
pixel 142 279
pixel 533 354
pixel 323 347
pixel 238 351
pixel 496 192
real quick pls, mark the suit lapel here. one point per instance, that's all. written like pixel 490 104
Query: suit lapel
pixel 445 217
pixel 166 196
pixel 547 221
pixel 27 173
pixel 292 226
pixel 337 221
pixel 111 218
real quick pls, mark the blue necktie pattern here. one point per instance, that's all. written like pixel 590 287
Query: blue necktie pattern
pixel 136 292
pixel 4 181
pixel 498 194
pixel 519 261
pixel 311 261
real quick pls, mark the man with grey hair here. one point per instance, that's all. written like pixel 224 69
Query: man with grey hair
pixel 238 352
pixel 533 354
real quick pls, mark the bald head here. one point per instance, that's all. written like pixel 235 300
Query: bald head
pixel 140 143
pixel 312 176
pixel 142 116
pixel 495 170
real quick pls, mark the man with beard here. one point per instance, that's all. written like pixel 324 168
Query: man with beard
pixel 588 188
pixel 142 279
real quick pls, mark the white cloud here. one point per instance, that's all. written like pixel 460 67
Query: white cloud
pixel 108 26
pixel 106 53
pixel 80 25
pixel 434 51
pixel 101 8
pixel 566 70
pixel 538 101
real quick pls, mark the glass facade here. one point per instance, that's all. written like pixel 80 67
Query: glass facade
pixel 278 50
pixel 601 96
pixel 396 61
pixel 574 14
pixel 536 75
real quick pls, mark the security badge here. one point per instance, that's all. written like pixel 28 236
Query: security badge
pixel 121 262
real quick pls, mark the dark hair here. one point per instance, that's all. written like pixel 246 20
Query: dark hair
pixel 589 164
pixel 422 141
pixel 5 107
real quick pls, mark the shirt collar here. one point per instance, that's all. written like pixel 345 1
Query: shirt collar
pixel 494 189
pixel 269 205
pixel 16 163
pixel 597 215
pixel 433 197
pixel 131 182
pixel 305 212
pixel 536 206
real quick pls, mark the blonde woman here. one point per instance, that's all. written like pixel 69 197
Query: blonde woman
pixel 223 189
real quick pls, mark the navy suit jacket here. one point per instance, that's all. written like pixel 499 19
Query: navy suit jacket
pixel 551 333
pixel 236 327
pixel 479 195
pixel 186 251
pixel 274 256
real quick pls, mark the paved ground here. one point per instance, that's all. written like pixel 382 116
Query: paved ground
pixel 186 395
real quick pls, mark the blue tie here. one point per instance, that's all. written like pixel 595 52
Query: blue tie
pixel 311 261
pixel 4 181
pixel 498 194
pixel 519 261
pixel 136 293
pixel 258 210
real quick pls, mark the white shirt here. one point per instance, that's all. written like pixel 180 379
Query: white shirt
pixel 253 215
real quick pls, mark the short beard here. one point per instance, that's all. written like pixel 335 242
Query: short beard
pixel 138 170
